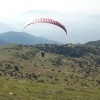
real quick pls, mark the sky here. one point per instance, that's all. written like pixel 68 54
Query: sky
pixel 10 8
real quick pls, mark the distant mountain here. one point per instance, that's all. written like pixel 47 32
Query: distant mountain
pixel 2 42
pixel 24 38
pixel 81 27
pixel 93 43
pixel 6 28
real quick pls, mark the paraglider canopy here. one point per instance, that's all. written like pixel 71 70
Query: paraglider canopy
pixel 46 20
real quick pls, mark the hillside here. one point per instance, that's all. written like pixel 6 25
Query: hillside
pixel 24 38
pixel 70 71
pixel 93 43
pixel 72 62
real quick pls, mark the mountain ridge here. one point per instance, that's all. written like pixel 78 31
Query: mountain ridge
pixel 24 38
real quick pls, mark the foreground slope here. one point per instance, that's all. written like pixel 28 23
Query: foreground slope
pixel 28 90
pixel 56 75
pixel 79 65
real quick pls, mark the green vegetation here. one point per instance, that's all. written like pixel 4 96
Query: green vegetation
pixel 93 43
pixel 66 72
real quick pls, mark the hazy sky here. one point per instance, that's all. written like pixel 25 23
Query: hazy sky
pixel 14 7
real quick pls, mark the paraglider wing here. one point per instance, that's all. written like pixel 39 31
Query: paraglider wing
pixel 46 20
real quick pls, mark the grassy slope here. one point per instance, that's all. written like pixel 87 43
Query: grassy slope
pixel 28 90
pixel 63 81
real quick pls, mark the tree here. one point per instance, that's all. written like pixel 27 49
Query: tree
pixel 16 68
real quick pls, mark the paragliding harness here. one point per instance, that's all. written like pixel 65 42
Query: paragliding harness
pixel 42 54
